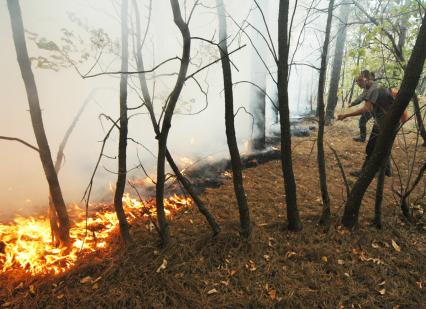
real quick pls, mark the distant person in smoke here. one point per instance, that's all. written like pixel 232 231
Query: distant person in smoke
pixel 378 101
pixel 365 117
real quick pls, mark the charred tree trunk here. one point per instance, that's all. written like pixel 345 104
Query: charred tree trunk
pixel 387 134
pixel 230 127
pixel 165 128
pixel 37 121
pixel 326 213
pixel 294 222
pixel 122 143
pixel 337 63
pixel 147 98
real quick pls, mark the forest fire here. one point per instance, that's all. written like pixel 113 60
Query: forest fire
pixel 26 244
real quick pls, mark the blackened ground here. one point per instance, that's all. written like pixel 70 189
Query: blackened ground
pixel 315 268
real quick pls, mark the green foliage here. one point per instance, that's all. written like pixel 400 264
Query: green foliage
pixel 369 46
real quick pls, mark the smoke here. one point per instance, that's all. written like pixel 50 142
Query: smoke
pixel 198 127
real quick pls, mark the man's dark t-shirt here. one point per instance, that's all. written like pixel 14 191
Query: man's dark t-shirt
pixel 381 98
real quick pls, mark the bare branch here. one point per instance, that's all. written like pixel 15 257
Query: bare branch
pixel 8 138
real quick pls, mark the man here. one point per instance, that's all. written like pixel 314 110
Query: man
pixel 378 101
pixel 365 117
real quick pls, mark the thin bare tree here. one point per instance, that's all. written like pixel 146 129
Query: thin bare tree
pixel 37 121
pixel 326 213
pixel 230 126
pixel 122 143
pixel 293 219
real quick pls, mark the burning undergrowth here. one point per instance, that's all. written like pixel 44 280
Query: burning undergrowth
pixel 26 244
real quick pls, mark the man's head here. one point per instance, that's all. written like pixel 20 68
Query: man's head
pixel 365 79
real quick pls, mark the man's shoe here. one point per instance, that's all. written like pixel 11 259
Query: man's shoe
pixel 359 139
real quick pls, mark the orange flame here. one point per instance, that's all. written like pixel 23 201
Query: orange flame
pixel 27 244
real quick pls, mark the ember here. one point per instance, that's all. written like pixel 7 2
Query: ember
pixel 27 243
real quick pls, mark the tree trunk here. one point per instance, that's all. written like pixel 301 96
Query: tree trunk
pixel 37 121
pixel 147 98
pixel 326 213
pixel 337 63
pixel 379 197
pixel 230 127
pixel 419 118
pixel 122 143
pixel 294 222
pixel 387 134
pixel 165 128
pixel 58 164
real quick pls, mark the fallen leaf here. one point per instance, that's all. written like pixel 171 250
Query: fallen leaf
pixel 419 284
pixel 290 254
pixel 87 279
pixel 382 291
pixel 162 266
pixel 212 291
pixel 340 262
pixel 324 259
pixel 95 286
pixel 225 283
pixel 272 294
pixel 97 279
pixel 396 246
pixel 60 296
pixel 266 257
pixel 395 306
pixel 251 265
pixel 7 304
pixel 375 245
pixel 20 286
pixel 347 275
pixel 382 283
pixel 233 272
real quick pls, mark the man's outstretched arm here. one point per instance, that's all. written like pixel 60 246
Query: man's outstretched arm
pixel 366 108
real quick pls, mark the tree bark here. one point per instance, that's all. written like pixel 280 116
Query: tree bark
pixel 293 219
pixel 387 134
pixel 165 128
pixel 337 63
pixel 230 127
pixel 326 213
pixel 379 197
pixel 37 121
pixel 419 118
pixel 122 143
pixel 147 98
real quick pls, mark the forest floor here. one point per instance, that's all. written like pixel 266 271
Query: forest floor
pixel 314 268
